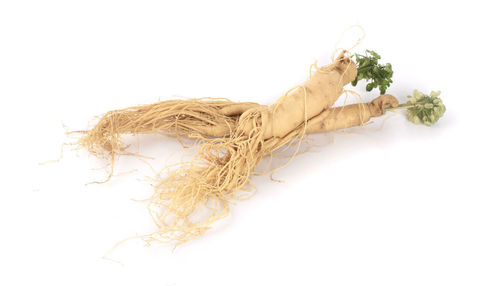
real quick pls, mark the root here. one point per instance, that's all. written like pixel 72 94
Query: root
pixel 197 193
pixel 193 117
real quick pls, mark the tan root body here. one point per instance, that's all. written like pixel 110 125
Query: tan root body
pixel 173 117
pixel 236 138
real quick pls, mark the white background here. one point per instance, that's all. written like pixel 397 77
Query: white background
pixel 403 205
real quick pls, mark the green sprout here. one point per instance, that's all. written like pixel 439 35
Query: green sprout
pixel 377 75
pixel 422 108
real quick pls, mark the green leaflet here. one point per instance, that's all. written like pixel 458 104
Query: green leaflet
pixel 377 75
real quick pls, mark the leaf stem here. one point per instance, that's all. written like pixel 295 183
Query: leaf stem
pixel 404 105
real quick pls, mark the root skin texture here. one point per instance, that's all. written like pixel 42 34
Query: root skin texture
pixel 350 115
pixel 306 101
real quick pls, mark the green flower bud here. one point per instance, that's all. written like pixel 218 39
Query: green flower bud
pixel 435 93
pixel 426 109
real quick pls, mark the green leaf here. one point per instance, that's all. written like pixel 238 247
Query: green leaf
pixel 376 75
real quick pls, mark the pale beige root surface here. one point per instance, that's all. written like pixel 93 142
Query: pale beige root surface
pixel 237 108
pixel 210 117
pixel 350 115
pixel 308 100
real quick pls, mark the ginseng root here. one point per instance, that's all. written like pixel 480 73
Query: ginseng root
pixel 235 139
